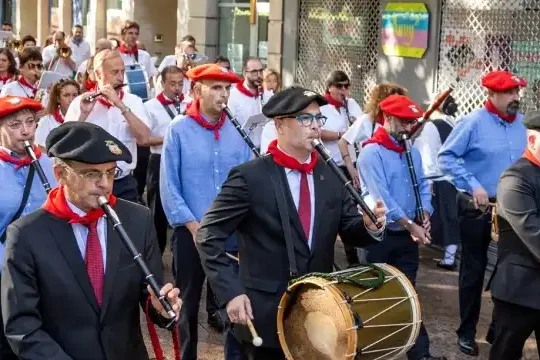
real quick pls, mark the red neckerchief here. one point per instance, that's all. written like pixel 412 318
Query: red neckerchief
pixel 288 161
pixel 492 109
pixel 58 116
pixel 124 50
pixel 382 138
pixel 380 118
pixel 165 101
pixel 187 107
pixel 90 85
pixel 57 205
pixel 25 83
pixel 529 156
pixel 6 78
pixel 246 91
pixel 194 113
pixel 4 156
pixel 106 102
pixel 337 104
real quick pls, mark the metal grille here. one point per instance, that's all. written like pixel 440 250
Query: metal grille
pixel 478 36
pixel 338 35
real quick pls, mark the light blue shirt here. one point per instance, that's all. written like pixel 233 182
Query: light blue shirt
pixel 194 165
pixel 12 188
pixel 480 148
pixel 385 174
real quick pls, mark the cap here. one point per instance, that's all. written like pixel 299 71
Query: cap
pixel 401 107
pixel 532 120
pixel 500 81
pixel 86 143
pixel 212 72
pixel 12 104
pixel 291 101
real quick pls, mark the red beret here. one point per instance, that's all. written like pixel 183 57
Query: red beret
pixel 500 81
pixel 401 107
pixel 12 104
pixel 212 72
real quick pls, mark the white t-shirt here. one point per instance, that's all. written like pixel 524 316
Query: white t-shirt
pixel 112 120
pixel 361 130
pixel 170 60
pixel 80 52
pixel 49 53
pixel 45 125
pixel 159 119
pixel 15 88
pixel 81 70
pixel 268 135
pixel 2 83
pixel 145 60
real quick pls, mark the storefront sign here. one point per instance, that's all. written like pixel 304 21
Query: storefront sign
pixel 338 28
pixel 405 28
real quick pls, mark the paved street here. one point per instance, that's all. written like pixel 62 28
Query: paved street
pixel 438 292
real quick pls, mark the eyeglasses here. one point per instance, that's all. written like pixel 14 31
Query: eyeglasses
pixel 307 119
pixel 33 66
pixel 409 122
pixel 255 71
pixel 343 85
pixel 94 175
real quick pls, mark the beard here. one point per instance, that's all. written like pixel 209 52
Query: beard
pixel 513 108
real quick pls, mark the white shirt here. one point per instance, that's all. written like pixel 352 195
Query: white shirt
pixel 60 66
pixel 145 60
pixel 335 121
pixel 170 60
pixel 268 135
pixel 80 52
pixel 243 107
pixel 81 234
pixel 159 119
pixel 361 130
pixel 81 70
pixel 45 125
pixel 15 88
pixel 7 82
pixel 112 120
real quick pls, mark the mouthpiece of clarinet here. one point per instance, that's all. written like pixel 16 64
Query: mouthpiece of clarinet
pixel 102 200
pixel 27 143
pixel 315 142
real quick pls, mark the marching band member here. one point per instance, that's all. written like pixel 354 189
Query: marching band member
pixel 76 293
pixel 481 146
pixel 364 127
pixel 19 181
pixel 385 174
pixel 53 60
pixel 246 99
pixel 31 65
pixel 28 41
pixel 182 53
pixel 61 96
pixel 515 281
pixel 8 67
pixel 131 54
pixel 247 206
pixel 199 150
pixel 101 44
pixel 121 114
pixel 161 110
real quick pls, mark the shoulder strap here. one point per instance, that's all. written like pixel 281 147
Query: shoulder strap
pixel 168 110
pixel 24 200
pixel 285 220
pixel 443 128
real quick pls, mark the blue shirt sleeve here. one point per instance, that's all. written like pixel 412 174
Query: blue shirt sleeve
pixel 170 183
pixel 450 157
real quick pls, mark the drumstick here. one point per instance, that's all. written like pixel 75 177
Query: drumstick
pixel 257 341
pixel 232 257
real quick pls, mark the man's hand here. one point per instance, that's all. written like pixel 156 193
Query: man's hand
pixel 427 222
pixel 110 94
pixel 239 310
pixel 419 234
pixel 354 175
pixel 380 214
pixel 86 106
pixel 193 227
pixel 171 294
pixel 480 198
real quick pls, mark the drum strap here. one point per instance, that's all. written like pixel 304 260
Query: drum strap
pixel 168 110
pixel 285 220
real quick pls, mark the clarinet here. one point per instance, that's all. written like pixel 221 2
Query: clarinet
pixel 241 131
pixel 261 98
pixel 37 166
pixel 414 180
pixel 346 106
pixel 117 225
pixel 346 183
pixel 177 103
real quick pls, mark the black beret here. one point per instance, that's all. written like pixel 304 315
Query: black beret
pixel 291 101
pixel 86 143
pixel 532 120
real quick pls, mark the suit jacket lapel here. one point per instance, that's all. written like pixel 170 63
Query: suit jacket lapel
pixel 320 196
pixel 62 233
pixel 114 244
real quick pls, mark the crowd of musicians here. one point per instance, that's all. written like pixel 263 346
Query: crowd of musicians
pixel 249 201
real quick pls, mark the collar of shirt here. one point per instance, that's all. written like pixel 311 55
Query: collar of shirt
pixel 75 209
pixel 287 170
pixel 10 152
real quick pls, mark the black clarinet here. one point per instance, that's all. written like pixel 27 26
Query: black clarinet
pixel 261 98
pixel 414 180
pixel 37 166
pixel 117 225
pixel 346 182
pixel 241 131
pixel 177 103
pixel 346 107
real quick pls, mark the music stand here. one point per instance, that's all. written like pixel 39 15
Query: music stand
pixel 255 121
pixel 5 37
pixel 49 78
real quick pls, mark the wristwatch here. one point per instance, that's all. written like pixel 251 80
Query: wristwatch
pixel 127 109
pixel 409 223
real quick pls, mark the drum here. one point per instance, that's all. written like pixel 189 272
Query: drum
pixel 370 312
pixel 137 81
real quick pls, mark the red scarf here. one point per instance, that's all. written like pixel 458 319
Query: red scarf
pixel 492 109
pixel 164 101
pixel 194 113
pixel 4 156
pixel 25 83
pixel 288 161
pixel 57 205
pixel 380 118
pixel 382 138
pixel 6 78
pixel 529 156
pixel 124 50
pixel 246 91
pixel 90 85
pixel 337 104
pixel 58 116
pixel 106 102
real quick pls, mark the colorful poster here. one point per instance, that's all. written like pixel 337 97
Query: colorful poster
pixel 405 28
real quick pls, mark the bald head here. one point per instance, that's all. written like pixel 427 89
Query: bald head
pixel 103 44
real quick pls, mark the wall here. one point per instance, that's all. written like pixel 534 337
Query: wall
pixel 199 18
pixel 291 11
pixel 156 17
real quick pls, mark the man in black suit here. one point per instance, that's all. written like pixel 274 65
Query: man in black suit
pixel 62 296
pixel 515 283
pixel 256 201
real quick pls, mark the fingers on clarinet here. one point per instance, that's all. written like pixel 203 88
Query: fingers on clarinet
pixel 166 289
pixel 149 288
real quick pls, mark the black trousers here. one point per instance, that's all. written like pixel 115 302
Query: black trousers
pixel 153 198
pixel 5 349
pixel 189 277
pixel 234 350
pixel 350 251
pixel 514 325
pixel 126 188
pixel 475 233
pixel 143 154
